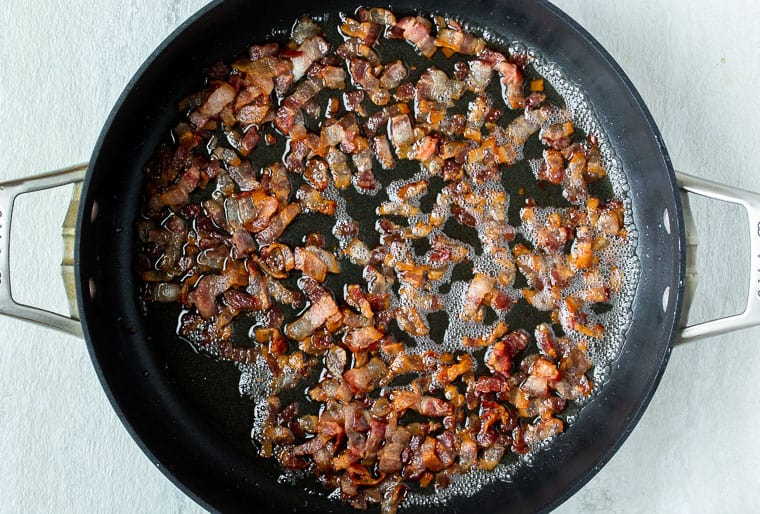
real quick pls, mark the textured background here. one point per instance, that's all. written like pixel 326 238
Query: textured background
pixel 62 66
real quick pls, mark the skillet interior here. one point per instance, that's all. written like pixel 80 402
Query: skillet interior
pixel 189 418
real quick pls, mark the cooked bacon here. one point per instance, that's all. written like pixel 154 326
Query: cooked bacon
pixel 435 85
pixel 552 167
pixel 304 29
pixel 363 339
pixel 400 133
pixel 244 176
pixel 341 173
pixel 476 116
pixel 208 288
pixel 278 224
pixel 416 30
pixel 410 321
pixel 304 91
pixel 557 136
pixel 352 101
pixel 319 312
pixel 355 48
pixel 332 77
pixel 382 151
pixel 366 31
pixel 513 79
pixel 310 264
pixel 221 97
pixel 479 289
pixel 256 52
pixel 377 15
pixel 311 200
pixel 383 413
pixel 365 378
pixel 460 42
pixel 393 74
pixel 479 76
pixel 362 75
pixel 308 52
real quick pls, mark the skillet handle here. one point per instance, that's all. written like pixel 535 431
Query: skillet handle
pixel 751 202
pixel 8 193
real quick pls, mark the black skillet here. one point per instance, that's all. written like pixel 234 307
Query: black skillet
pixel 199 435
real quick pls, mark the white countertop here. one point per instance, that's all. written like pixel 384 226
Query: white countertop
pixel 63 65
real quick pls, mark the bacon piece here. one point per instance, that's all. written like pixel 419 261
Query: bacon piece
pixel 479 289
pixel 244 176
pixel 364 379
pixel 208 288
pixel 479 76
pixel 366 31
pixel 220 98
pixel 513 79
pixel 435 85
pixel 362 339
pixel 362 75
pixel 476 116
pixel 400 133
pixel 382 151
pixel 416 30
pixel 308 52
pixel 304 91
pixel 410 321
pixel 393 74
pixel 323 308
pixel 552 167
pixel 310 264
pixel 377 15
pixel 256 52
pixel 278 224
pixel 557 136
pixel 459 42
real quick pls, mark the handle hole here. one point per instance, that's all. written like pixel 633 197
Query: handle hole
pixel 722 258
pixel 37 249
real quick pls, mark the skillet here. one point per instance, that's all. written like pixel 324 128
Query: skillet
pixel 662 353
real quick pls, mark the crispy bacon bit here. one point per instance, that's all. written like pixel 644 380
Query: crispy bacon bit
pixel 220 98
pixel 312 49
pixel 316 316
pixel 477 292
pixel 416 30
pixel 460 42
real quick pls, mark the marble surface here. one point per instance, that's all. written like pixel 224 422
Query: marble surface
pixel 62 66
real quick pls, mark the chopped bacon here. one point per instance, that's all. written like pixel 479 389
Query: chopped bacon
pixel 435 85
pixel 319 312
pixel 310 264
pixel 382 411
pixel 366 31
pixel 460 42
pixel 393 74
pixel 382 151
pixel 479 289
pixel 400 133
pixel 278 224
pixel 365 378
pixel 557 136
pixel 311 50
pixel 416 30
pixel 513 79
pixel 221 97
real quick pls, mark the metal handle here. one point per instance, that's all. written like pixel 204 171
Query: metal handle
pixel 751 202
pixel 8 193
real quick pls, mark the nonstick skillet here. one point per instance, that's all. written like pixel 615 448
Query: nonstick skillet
pixel 114 200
